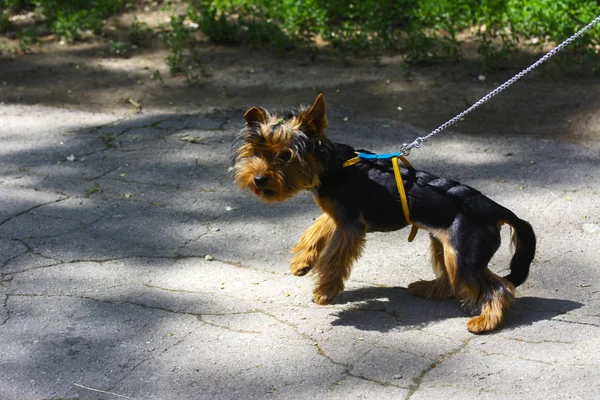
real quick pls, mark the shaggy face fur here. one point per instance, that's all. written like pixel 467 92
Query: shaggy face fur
pixel 275 156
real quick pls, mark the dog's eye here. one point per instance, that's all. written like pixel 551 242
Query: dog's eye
pixel 286 156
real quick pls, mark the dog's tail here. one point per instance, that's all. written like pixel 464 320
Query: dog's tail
pixel 523 240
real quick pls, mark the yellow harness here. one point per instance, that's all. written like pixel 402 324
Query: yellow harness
pixel 399 183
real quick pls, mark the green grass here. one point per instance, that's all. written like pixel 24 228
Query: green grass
pixel 421 29
pixel 66 18
pixel 183 58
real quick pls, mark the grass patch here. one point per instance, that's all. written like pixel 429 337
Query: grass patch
pixel 423 30
pixel 66 18
pixel 183 58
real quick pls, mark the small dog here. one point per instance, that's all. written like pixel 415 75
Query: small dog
pixel 276 156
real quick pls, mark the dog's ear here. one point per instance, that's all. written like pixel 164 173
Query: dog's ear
pixel 314 121
pixel 255 114
pixel 317 113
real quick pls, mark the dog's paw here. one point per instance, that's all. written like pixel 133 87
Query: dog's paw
pixel 326 293
pixel 435 289
pixel 481 324
pixel 322 299
pixel 419 288
pixel 299 269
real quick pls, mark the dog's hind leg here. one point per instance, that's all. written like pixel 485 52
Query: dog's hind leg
pixel 334 265
pixel 311 245
pixel 474 283
pixel 439 288
pixel 494 294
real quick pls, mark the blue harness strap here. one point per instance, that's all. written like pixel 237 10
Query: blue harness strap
pixel 368 156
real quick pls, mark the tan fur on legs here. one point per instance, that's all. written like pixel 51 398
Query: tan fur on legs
pixel 333 267
pixel 439 288
pixel 495 297
pixel 311 244
pixel 487 290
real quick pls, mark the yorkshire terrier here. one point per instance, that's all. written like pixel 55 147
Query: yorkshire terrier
pixel 276 156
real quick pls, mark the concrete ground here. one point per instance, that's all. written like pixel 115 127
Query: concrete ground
pixel 131 267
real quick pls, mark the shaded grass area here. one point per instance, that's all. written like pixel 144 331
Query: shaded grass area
pixel 66 18
pixel 422 30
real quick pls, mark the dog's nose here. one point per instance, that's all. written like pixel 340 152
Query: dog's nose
pixel 260 180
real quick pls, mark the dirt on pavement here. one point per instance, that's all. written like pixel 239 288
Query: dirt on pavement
pixel 549 102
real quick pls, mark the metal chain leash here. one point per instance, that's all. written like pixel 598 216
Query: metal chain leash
pixel 405 151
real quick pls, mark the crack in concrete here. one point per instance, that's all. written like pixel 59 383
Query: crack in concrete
pixel 102 175
pixel 29 250
pixel 173 290
pixel 385 384
pixel 566 321
pixel 347 374
pixel 379 382
pixel 107 139
pixel 306 336
pixel 199 316
pixel 143 361
pixel 60 262
pixel 405 351
pixel 545 341
pixel 238 264
pixel 425 331
pixel 109 147
pixel 5 306
pixel 151 184
pixel 133 303
pixel 336 383
pixel 31 209
pixel 125 117
pixel 221 127
pixel 84 226
pixel 209 292
pixel 487 353
pixel 187 243
pixel 347 368
pixel 228 328
pixel 220 293
pixel 8 261
pixel 417 381
pixel 350 367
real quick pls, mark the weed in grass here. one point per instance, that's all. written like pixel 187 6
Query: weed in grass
pixel 117 48
pixel 68 18
pixel 176 37
pixel 138 31
pixel 183 58
pixel 4 23
pixel 157 76
pixel 26 41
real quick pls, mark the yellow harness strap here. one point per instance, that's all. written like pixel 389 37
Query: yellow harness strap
pixel 401 191
pixel 403 198
pixel 351 161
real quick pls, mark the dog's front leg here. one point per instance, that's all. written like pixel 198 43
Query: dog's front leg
pixel 311 244
pixel 333 266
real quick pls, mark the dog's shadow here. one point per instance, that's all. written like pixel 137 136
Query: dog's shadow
pixel 391 308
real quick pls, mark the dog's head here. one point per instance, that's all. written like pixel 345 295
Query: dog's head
pixel 274 155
